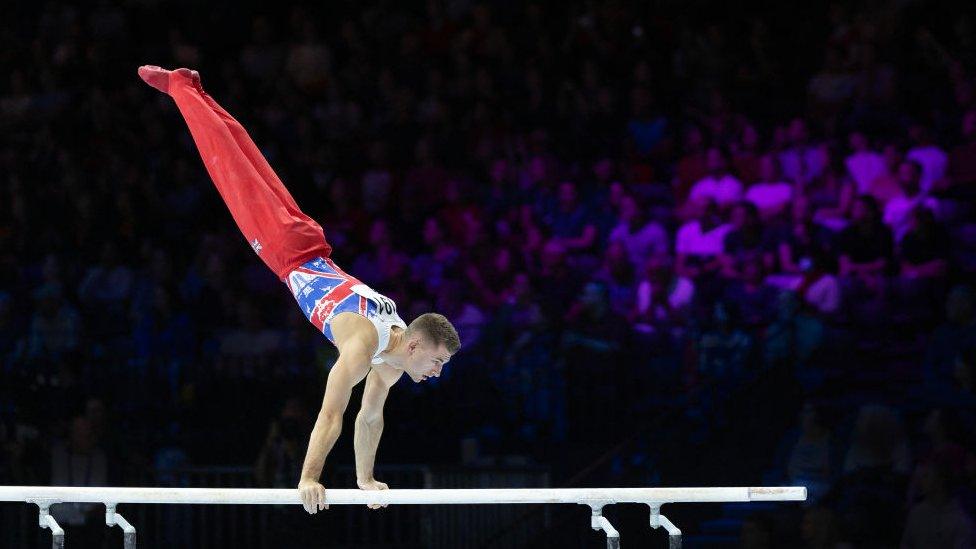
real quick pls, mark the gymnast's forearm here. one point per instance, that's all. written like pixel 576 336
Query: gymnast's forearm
pixel 367 440
pixel 324 436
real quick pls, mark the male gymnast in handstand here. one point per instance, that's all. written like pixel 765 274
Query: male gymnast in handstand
pixel 373 341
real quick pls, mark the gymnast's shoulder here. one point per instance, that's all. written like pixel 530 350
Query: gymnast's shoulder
pixel 354 333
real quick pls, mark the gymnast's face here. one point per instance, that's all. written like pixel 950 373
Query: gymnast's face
pixel 425 360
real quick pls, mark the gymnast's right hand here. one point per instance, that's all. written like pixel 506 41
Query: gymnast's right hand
pixel 313 496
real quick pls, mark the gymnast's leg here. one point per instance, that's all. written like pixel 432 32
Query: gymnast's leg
pixel 281 234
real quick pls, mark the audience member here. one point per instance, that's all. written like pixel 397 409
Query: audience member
pixel 866 248
pixel 864 164
pixel 569 223
pixel 961 168
pixel 699 243
pixel 938 519
pixel 811 460
pixel 80 461
pixel 719 186
pixel 899 210
pixel 956 333
pixel 280 461
pixel 930 157
pixel 641 239
pixel 887 186
pixel 802 161
pixel 770 194
pixel 746 240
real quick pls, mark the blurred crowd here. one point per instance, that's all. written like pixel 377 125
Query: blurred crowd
pixel 623 210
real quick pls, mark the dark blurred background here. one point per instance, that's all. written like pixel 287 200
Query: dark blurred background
pixel 684 245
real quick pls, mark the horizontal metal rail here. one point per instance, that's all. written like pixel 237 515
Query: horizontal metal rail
pixel 596 498
pixel 460 496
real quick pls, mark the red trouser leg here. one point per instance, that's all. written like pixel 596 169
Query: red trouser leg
pixel 264 210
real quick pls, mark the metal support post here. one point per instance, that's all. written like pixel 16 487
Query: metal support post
pixel 45 520
pixel 658 520
pixel 600 522
pixel 114 519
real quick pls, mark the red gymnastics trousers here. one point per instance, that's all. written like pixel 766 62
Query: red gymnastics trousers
pixel 267 215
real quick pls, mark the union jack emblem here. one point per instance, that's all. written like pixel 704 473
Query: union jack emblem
pixel 322 310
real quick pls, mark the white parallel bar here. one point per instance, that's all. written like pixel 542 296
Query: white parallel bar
pixel 248 496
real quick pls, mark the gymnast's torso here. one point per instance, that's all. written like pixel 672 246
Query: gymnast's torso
pixel 323 290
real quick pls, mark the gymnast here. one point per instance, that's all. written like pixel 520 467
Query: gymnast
pixel 373 341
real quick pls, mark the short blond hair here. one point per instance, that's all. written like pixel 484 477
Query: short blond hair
pixel 437 329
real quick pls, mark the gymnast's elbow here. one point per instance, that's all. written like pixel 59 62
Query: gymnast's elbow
pixel 370 418
pixel 329 417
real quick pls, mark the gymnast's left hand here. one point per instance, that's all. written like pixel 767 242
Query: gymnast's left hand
pixel 373 485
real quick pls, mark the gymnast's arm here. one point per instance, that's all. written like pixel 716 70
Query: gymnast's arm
pixel 369 422
pixel 351 367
